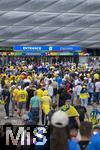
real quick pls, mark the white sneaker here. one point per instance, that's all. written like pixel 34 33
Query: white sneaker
pixel 6 117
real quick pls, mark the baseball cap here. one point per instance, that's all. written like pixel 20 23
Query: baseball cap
pixel 59 119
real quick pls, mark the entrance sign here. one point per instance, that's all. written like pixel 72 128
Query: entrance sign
pixel 46 48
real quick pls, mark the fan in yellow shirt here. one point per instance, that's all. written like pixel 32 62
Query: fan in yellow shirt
pixel 46 103
pixel 40 91
pixel 96 76
pixel 7 81
pixel 30 78
pixel 15 94
pixel 22 98
pixel 3 74
pixel 22 95
pixel 71 112
pixel 11 67
pixel 14 98
pixel 84 93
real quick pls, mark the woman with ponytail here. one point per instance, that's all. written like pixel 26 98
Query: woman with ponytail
pixel 60 138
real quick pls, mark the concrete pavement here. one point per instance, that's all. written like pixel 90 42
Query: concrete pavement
pixel 15 120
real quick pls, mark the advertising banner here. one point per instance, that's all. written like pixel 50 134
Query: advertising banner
pixel 6 49
pixel 35 48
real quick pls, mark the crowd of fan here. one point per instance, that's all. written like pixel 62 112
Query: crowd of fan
pixel 34 92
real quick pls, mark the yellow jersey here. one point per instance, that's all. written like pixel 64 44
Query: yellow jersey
pixel 70 110
pixel 15 94
pixel 96 76
pixel 7 81
pixel 40 93
pixel 22 95
pixel 84 95
pixel 46 101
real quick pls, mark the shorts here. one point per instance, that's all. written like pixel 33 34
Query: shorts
pixel 22 105
pixel 14 103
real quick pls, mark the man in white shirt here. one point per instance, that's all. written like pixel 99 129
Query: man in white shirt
pixel 50 88
pixel 76 91
pixel 30 67
pixel 76 81
pixel 97 90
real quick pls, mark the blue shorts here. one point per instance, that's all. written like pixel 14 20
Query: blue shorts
pixel 22 105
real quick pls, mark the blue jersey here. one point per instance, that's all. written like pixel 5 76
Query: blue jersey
pixel 73 145
pixel 59 81
pixel 94 143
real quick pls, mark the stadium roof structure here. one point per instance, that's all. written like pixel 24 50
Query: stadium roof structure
pixel 50 22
